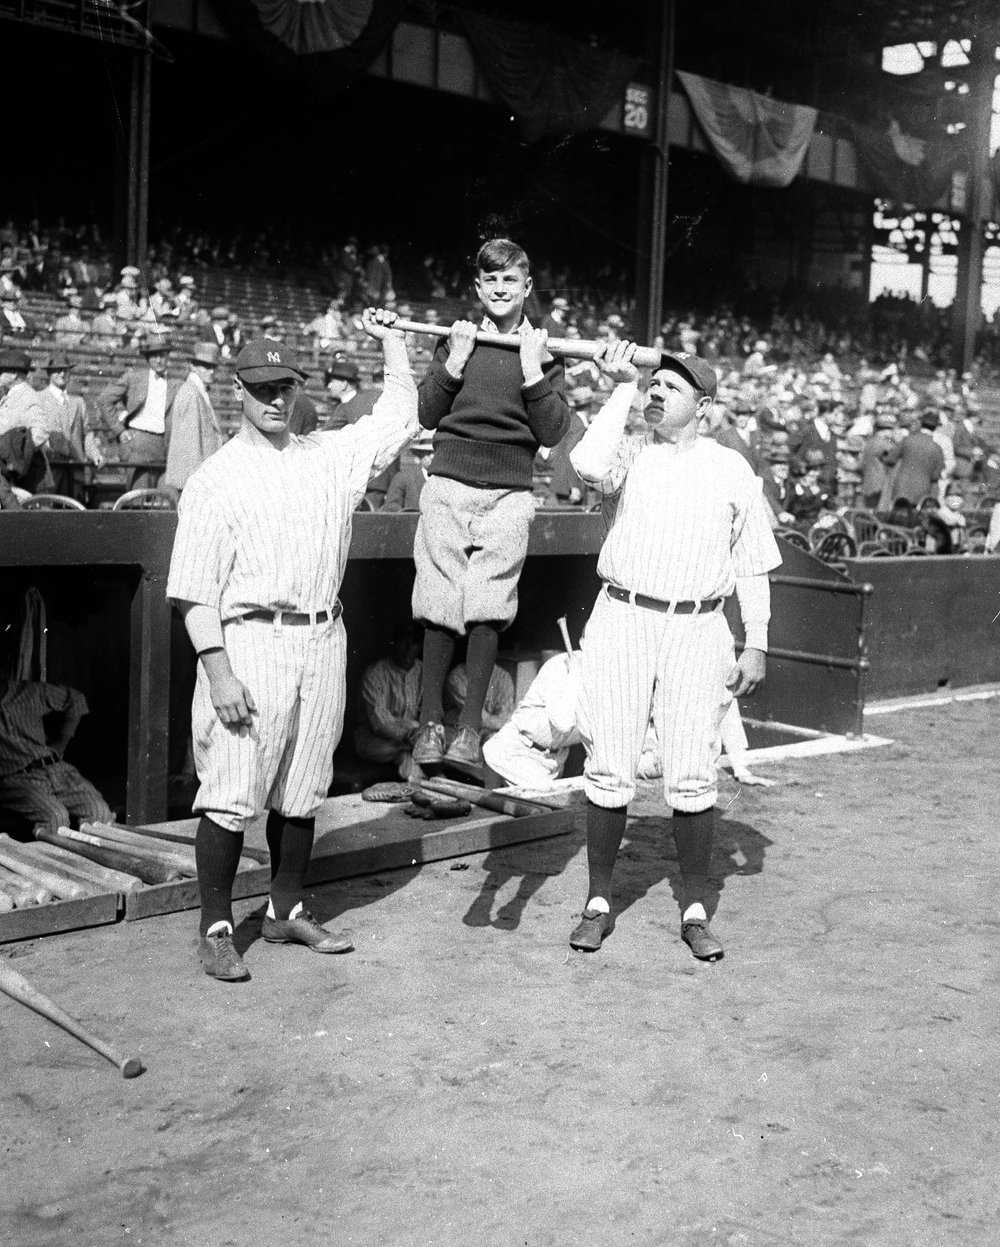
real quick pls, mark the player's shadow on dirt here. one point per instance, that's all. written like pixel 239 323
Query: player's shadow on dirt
pixel 331 904
pixel 530 864
pixel 648 855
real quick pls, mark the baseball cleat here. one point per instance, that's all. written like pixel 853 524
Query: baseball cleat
pixel 465 754
pixel 699 938
pixel 304 929
pixel 592 931
pixel 219 958
pixel 428 747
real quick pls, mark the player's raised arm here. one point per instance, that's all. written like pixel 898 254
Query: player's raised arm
pixel 597 456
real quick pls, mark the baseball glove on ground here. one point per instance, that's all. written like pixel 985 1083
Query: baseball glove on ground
pixel 392 792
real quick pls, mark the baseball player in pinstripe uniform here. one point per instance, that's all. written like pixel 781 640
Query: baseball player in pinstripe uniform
pixel 690 526
pixel 262 539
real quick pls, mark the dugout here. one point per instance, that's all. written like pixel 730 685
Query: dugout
pixel 112 634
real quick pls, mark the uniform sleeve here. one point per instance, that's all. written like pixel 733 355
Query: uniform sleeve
pixel 60 698
pixel 754 550
pixel 203 552
pixel 376 439
pixel 603 455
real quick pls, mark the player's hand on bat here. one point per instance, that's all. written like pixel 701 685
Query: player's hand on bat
pixel 534 352
pixel 748 674
pixel 461 344
pixel 615 360
pixel 378 322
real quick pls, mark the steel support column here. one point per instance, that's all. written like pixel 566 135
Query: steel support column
pixel 967 312
pixel 653 211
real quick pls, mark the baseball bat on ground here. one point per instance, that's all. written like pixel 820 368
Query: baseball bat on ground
pixel 33 853
pixel 51 880
pixel 480 797
pixel 110 880
pixel 18 988
pixel 23 891
pixel 571 348
pixel 144 868
pixel 258 857
pixel 180 852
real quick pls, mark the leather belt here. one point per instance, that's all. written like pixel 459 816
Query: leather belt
pixel 668 608
pixel 278 618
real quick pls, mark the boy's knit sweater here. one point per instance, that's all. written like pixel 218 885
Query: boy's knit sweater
pixel 489 424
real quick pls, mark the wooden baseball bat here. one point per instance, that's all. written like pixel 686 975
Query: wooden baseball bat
pixel 55 883
pixel 258 857
pixel 480 797
pixel 115 838
pixel 23 891
pixel 110 880
pixel 32 853
pixel 570 348
pixel 564 631
pixel 18 988
pixel 148 841
pixel 144 868
pixel 6 902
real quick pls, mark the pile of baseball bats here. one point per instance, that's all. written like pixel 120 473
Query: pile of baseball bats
pixel 99 858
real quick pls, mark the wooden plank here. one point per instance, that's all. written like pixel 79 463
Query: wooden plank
pixel 37 920
pixel 149 698
pixel 356 837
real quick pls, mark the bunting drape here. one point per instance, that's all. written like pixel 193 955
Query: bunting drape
pixel 553 85
pixel 323 45
pixel 757 139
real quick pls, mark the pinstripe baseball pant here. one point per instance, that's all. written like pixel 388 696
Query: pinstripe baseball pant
pixel 637 660
pixel 296 676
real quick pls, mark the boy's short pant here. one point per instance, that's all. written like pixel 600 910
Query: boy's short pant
pixel 469 550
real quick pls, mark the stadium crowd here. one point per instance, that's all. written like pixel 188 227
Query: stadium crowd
pixel 866 441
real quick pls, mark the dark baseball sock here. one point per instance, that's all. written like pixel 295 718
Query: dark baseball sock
pixel 439 650
pixel 694 835
pixel 480 655
pixel 605 829
pixel 216 854
pixel 290 842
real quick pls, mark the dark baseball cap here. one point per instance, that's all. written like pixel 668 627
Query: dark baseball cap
pixel 698 371
pixel 267 359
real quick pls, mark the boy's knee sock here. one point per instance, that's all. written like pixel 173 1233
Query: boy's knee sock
pixel 294 850
pixel 217 855
pixel 605 829
pixel 694 835
pixel 439 650
pixel 481 654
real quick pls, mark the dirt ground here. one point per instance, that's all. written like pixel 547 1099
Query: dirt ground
pixel 463 1078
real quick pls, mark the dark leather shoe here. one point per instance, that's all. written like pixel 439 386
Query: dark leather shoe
pixel 304 929
pixel 699 938
pixel 428 745
pixel 465 753
pixel 590 934
pixel 220 959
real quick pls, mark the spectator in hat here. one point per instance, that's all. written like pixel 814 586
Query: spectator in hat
pixel 815 433
pixel 344 388
pixel 128 306
pixel 377 282
pixel 66 424
pixel 878 459
pixel 105 329
pixel 195 428
pixel 407 484
pixel 807 498
pixel 70 329
pixel 234 334
pixel 135 409
pixel 555 322
pixel 162 305
pixel 13 322
pixel 737 431
pixel 186 303
pixel 20 406
pixel 215 330
pixel 920 465
pixel 327 331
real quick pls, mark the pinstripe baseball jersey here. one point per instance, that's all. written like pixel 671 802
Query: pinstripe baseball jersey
pixel 262 527
pixel 689 521
pixel 390 698
pixel 23 708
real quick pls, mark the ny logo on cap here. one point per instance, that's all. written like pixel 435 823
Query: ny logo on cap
pixel 273 357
